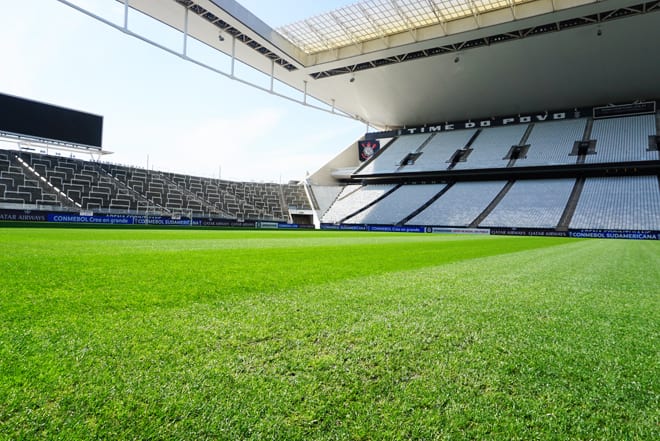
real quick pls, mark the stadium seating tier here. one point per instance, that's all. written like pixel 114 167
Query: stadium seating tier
pixel 31 180
pixel 37 181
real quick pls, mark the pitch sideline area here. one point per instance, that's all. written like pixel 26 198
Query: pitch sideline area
pixel 171 334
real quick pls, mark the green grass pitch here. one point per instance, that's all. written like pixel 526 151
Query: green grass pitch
pixel 193 335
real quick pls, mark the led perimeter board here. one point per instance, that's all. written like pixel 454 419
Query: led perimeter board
pixel 33 119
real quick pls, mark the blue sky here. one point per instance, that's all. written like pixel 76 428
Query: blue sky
pixel 181 116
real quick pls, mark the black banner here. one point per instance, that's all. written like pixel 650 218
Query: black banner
pixel 367 149
pixel 526 118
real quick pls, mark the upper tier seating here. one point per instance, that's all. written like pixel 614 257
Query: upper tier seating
pixel 491 146
pixel 396 205
pixel 537 203
pixel 623 139
pixel 460 205
pixel 438 152
pixel 619 203
pixel 353 198
pixel 389 159
pixel 552 142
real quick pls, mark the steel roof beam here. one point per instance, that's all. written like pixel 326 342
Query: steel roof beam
pixel 373 22
pixel 442 21
pixel 405 18
pixel 318 34
pixel 345 30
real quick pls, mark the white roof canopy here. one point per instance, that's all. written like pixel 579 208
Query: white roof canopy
pixel 413 62
pixel 373 19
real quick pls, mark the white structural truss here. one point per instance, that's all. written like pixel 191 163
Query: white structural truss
pixel 447 59
pixel 234 40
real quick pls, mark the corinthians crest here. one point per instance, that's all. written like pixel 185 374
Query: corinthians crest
pixel 367 149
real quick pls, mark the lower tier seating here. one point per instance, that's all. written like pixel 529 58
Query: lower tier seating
pixel 460 205
pixel 619 203
pixel 611 203
pixel 397 205
pixel 352 199
pixel 532 203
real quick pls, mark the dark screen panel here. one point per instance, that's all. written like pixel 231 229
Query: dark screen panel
pixel 39 120
pixel 624 109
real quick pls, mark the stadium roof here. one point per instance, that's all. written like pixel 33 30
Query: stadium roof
pixel 375 19
pixel 395 63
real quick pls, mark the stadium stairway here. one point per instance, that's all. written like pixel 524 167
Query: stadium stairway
pixel 528 132
pixel 484 214
pixel 465 151
pixel 343 196
pixel 521 148
pixel 204 206
pixel 50 194
pixel 567 215
pixel 375 201
pixel 328 202
pixel 75 179
pixel 425 205
pixel 312 197
pixel 582 156
pixel 425 143
pixel 587 129
pixel 418 151
pixel 125 195
pixel 282 198
pixel 136 183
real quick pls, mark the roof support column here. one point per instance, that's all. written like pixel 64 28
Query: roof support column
pixel 233 55
pixel 126 14
pixel 272 74
pixel 185 33
pixel 305 95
